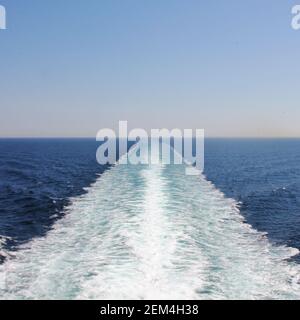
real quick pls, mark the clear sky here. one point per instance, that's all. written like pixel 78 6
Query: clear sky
pixel 70 68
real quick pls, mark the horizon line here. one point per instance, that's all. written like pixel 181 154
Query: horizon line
pixel 94 138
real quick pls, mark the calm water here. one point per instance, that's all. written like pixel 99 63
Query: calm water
pixel 264 176
pixel 69 232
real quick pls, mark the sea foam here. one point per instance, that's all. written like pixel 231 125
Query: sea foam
pixel 151 232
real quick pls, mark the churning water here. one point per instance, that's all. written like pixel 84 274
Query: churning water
pixel 151 232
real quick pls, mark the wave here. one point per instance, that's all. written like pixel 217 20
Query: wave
pixel 151 232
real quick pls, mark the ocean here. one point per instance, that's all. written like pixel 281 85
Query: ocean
pixel 72 229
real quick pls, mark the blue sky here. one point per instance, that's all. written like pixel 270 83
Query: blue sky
pixel 70 68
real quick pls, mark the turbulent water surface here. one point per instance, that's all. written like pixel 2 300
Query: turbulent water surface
pixel 151 232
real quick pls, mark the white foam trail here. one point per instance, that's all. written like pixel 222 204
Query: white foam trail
pixel 151 232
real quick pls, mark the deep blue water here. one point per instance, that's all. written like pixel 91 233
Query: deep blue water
pixel 264 175
pixel 38 177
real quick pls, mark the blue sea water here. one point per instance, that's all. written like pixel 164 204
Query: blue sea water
pixel 37 179
pixel 264 176
pixel 70 228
